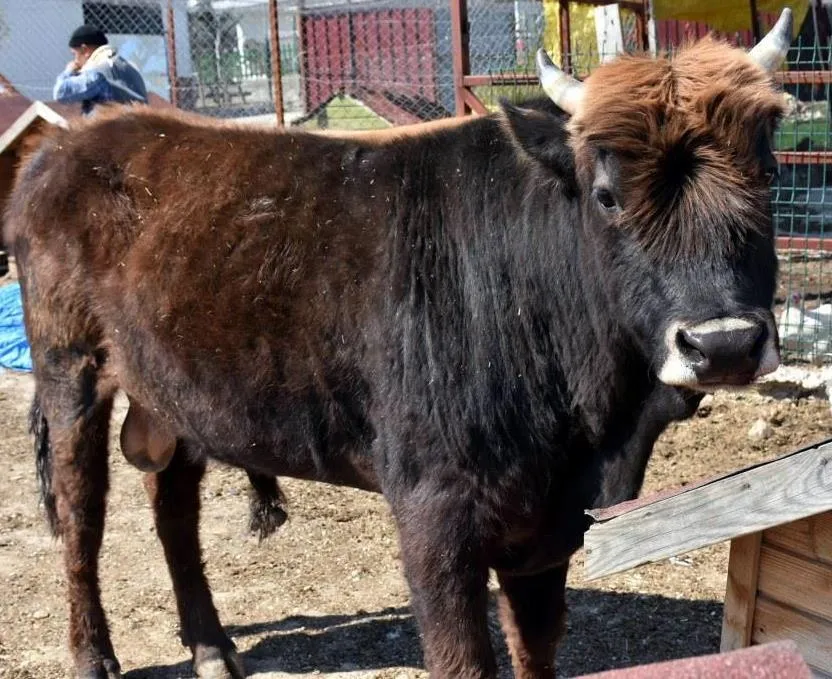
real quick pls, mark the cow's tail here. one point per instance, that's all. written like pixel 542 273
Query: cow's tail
pixel 39 428
pixel 266 502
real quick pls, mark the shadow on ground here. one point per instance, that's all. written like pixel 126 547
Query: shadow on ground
pixel 606 630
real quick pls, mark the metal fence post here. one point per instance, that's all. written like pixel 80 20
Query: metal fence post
pixel 461 57
pixel 274 53
pixel 171 45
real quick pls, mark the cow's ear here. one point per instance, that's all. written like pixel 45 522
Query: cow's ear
pixel 540 132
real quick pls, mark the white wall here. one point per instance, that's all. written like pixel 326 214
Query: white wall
pixel 33 46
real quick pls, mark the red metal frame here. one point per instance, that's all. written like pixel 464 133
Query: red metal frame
pixel 814 243
pixel 173 76
pixel 466 101
pixel 461 56
pixel 274 54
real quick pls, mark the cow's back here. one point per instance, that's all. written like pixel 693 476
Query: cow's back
pixel 234 266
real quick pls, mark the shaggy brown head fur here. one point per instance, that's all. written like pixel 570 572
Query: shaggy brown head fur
pixel 687 132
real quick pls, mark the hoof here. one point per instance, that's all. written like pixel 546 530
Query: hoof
pixel 106 669
pixel 211 662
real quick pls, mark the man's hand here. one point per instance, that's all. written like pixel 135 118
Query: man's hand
pixel 73 66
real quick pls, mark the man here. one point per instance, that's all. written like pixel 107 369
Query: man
pixel 97 74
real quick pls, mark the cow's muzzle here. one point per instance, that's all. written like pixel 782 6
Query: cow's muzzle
pixel 719 352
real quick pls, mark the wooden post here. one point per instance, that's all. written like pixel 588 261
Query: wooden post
pixel 565 36
pixel 741 592
pixel 461 55
pixel 641 31
pixel 173 77
pixel 755 20
pixel 274 53
pixel 642 27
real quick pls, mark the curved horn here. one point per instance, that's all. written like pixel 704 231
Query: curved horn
pixel 562 89
pixel 771 50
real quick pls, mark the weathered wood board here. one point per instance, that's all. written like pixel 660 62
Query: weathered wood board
pixel 781 491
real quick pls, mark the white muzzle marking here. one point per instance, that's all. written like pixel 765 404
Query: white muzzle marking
pixel 678 370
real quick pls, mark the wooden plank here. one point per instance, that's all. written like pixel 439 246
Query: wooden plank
pixel 608 33
pixel 797 582
pixel 784 490
pixel 773 622
pixel 810 538
pixel 740 592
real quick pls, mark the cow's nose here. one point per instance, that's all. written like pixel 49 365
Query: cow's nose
pixel 720 349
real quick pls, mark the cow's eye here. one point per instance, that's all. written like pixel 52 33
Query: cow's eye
pixel 605 199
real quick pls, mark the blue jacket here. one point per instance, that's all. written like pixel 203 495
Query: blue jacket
pixel 111 80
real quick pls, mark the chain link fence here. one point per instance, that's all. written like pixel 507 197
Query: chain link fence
pixel 362 64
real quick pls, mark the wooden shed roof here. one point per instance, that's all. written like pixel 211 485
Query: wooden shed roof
pixel 749 500
pixel 36 110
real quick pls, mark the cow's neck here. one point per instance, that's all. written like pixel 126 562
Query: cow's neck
pixel 603 376
pixel 494 308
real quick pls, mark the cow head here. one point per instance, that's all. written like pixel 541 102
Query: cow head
pixel 674 160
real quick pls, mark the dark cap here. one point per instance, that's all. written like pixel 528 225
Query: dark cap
pixel 87 35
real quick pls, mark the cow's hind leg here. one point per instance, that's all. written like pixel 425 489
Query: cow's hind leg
pixel 174 494
pixel 533 616
pixel 71 425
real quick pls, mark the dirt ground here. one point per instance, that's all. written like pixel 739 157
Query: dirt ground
pixel 325 596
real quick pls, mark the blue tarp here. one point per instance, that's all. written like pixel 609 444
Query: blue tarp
pixel 14 347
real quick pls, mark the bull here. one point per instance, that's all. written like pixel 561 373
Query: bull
pixel 472 321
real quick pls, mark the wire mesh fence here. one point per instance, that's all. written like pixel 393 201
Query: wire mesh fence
pixel 362 64
pixel 802 206
pixel 375 63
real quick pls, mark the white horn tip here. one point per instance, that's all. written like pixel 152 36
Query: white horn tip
pixel 773 48
pixel 543 61
pixel 562 89
pixel 784 24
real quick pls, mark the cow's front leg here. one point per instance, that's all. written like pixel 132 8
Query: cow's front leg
pixel 174 494
pixel 533 616
pixel 448 582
